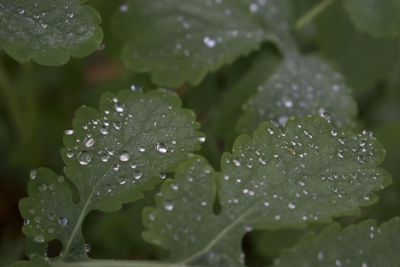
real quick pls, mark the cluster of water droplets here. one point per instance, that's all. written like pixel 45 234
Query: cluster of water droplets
pixel 277 170
pixel 302 86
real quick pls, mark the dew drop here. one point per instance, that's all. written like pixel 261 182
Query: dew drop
pixel 168 205
pixel 42 188
pixel 326 116
pixel 162 147
pixel 105 157
pixel 163 175
pixel 84 157
pixel 70 153
pixel 124 156
pixel 89 142
pixel 137 174
pixel 119 107
pixel 69 132
pixel 201 139
pixel 39 238
pixel 87 247
pixel 33 174
pixel 63 221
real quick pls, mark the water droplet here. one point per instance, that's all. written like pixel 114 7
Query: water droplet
pixel 33 174
pixel 291 206
pixel 63 221
pixel 87 247
pixel 137 174
pixel 20 11
pixel 89 142
pixel 104 129
pixel 334 133
pixel 105 157
pixel 361 159
pixel 117 125
pixel 320 256
pixel 84 157
pixel 262 160
pixel 70 153
pixel 201 139
pixel 326 116
pixel 119 107
pixel 136 88
pixel 124 156
pixel 168 205
pixel 42 188
pixel 121 180
pixel 209 42
pixel 123 8
pixel 101 46
pixel 162 147
pixel 142 149
pixel 116 167
pixel 163 175
pixel 39 238
pixel 27 222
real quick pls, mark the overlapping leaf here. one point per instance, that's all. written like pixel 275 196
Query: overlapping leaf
pixel 379 18
pixel 111 156
pixel 48 31
pixel 362 245
pixel 181 41
pixel 277 179
pixel 302 85
pixel 362 59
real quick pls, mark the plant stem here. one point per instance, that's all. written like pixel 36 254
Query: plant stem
pixel 11 102
pixel 314 12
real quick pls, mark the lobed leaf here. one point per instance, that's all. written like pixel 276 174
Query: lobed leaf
pixel 111 156
pixel 182 41
pixel 379 18
pixel 48 31
pixel 351 247
pixel 277 179
pixel 302 85
pixel 362 59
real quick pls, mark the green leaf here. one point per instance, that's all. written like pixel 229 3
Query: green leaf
pixel 362 59
pixel 302 85
pixel 274 180
pixel 48 31
pixel 354 246
pixel 379 18
pixel 181 41
pixel 111 156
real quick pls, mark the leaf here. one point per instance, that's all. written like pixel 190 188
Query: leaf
pixel 355 246
pixel 181 41
pixel 111 156
pixel 363 60
pixel 379 18
pixel 48 31
pixel 300 86
pixel 276 179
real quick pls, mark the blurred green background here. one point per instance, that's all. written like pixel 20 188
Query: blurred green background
pixel 43 100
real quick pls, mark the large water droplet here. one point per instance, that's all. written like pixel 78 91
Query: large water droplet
pixel 89 141
pixel 42 188
pixel 69 132
pixel 124 156
pixel 162 147
pixel 137 174
pixel 84 157
pixel 119 107
pixel 63 221
pixel 39 238
pixel 168 205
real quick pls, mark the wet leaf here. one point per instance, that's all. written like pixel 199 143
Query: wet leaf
pixel 302 85
pixel 277 179
pixel 181 42
pixel 48 31
pixel 111 156
pixel 354 246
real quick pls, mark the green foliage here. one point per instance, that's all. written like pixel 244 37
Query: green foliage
pixel 297 79
pixel 48 31
pixel 379 18
pixel 349 247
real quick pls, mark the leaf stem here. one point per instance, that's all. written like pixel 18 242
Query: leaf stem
pixel 314 12
pixel 11 102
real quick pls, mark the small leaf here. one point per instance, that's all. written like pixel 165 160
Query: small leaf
pixel 48 31
pixel 111 156
pixel 379 18
pixel 354 246
pixel 274 180
pixel 300 86
pixel 181 41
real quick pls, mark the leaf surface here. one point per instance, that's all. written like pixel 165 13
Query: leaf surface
pixel 274 180
pixel 379 18
pixel 111 156
pixel 181 41
pixel 363 245
pixel 48 31
pixel 301 85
